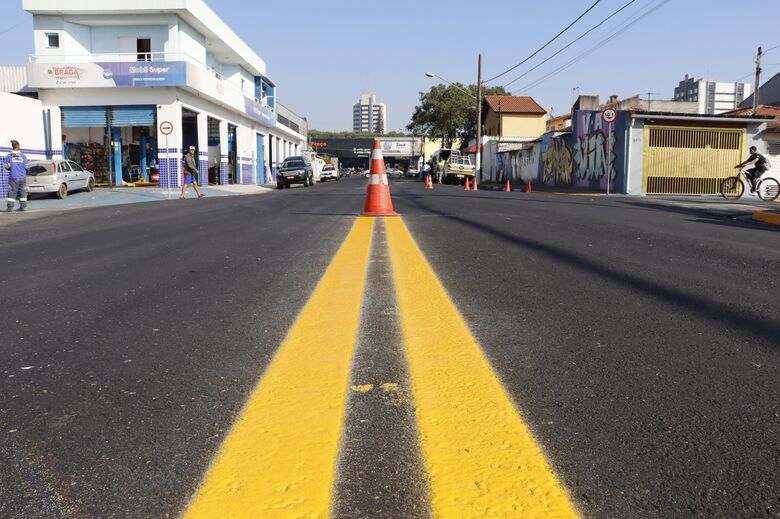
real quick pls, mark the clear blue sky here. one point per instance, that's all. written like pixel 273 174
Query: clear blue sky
pixel 322 55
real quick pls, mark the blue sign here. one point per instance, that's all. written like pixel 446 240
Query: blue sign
pixel 259 112
pixel 146 73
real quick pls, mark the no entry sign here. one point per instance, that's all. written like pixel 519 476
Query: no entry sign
pixel 166 127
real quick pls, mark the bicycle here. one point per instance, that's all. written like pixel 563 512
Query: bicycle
pixel 732 188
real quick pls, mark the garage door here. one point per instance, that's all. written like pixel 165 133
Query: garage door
pixel 128 116
pixel 773 152
pixel 84 117
pixel 689 161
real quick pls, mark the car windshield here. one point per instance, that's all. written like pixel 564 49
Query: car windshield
pixel 293 164
pixel 40 168
pixel 329 168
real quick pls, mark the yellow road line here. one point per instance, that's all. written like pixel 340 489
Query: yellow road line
pixel 279 460
pixel 481 458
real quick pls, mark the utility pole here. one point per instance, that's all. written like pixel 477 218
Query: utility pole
pixel 478 165
pixel 757 91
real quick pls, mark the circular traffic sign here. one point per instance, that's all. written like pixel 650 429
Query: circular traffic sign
pixel 609 115
pixel 166 127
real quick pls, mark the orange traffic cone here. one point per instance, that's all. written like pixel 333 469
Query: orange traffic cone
pixel 466 186
pixel 474 185
pixel 378 201
pixel 528 187
pixel 508 187
pixel 428 182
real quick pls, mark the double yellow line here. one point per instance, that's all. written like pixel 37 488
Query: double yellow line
pixel 280 458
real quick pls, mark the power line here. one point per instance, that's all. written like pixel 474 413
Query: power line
pixel 14 26
pixel 546 44
pixel 603 42
pixel 602 22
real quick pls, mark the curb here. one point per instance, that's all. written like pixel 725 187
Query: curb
pixel 769 217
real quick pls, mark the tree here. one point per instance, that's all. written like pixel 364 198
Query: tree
pixel 449 113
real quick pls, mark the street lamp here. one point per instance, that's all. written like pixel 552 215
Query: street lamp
pixel 478 99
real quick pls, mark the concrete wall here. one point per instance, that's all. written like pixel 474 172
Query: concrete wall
pixel 191 42
pixel 515 125
pixel 105 39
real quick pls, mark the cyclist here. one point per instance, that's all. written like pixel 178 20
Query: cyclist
pixel 758 162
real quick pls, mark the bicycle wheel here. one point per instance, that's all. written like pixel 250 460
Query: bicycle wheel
pixel 768 189
pixel 732 188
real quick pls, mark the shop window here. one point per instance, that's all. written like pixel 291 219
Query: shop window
pixel 144 49
pixel 53 40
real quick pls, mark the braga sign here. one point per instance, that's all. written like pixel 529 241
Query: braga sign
pixel 117 74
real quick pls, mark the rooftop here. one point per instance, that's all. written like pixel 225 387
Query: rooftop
pixel 514 105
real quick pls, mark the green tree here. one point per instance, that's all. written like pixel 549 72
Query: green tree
pixel 449 113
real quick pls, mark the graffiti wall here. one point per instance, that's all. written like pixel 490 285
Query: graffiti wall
pixel 514 161
pixel 588 157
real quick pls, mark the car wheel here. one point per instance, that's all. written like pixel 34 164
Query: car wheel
pixel 62 192
pixel 279 186
pixel 91 185
pixel 287 186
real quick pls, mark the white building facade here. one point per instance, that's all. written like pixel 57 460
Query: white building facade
pixel 131 85
pixel 714 97
pixel 369 116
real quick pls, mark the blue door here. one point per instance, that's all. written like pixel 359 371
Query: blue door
pixel 260 159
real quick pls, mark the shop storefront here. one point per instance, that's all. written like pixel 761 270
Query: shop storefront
pixel 117 143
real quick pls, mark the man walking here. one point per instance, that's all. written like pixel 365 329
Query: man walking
pixel 16 163
pixel 190 173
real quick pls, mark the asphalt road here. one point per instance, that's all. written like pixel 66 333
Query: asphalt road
pixel 640 344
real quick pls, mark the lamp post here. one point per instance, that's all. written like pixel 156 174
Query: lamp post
pixel 478 99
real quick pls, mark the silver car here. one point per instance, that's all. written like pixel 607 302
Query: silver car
pixel 58 176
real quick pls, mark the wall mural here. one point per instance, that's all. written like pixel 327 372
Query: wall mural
pixel 591 149
pixel 556 162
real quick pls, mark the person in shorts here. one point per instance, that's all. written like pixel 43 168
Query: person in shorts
pixel 758 162
pixel 190 173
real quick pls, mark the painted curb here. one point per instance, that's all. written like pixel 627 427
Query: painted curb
pixel 767 217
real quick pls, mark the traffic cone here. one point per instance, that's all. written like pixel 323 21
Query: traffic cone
pixel 508 187
pixel 474 185
pixel 378 201
pixel 528 187
pixel 428 182
pixel 466 186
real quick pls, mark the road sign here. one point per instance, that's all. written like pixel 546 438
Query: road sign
pixel 166 127
pixel 609 115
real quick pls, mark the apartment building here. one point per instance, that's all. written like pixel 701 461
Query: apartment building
pixel 714 97
pixel 369 116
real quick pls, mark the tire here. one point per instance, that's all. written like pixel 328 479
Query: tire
pixel 732 188
pixel 769 189
pixel 279 186
pixel 287 186
pixel 62 191
pixel 90 185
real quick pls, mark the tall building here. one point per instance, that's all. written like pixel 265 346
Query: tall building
pixel 714 97
pixel 368 116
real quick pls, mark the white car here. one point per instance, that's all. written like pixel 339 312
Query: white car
pixel 58 176
pixel 329 172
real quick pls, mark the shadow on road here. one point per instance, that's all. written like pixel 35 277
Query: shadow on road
pixel 758 326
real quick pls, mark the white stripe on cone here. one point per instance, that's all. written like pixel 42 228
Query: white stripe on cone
pixel 377 179
pixel 376 154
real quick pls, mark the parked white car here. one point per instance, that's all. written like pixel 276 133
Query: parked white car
pixel 58 176
pixel 329 172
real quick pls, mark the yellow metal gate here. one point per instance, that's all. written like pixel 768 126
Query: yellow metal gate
pixel 690 161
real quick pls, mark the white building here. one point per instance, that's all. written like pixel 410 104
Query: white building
pixel 714 97
pixel 130 85
pixel 368 116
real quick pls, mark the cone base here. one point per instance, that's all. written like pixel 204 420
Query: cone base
pixel 375 213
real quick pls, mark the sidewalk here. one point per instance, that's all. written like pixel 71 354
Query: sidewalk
pixel 131 195
pixel 42 206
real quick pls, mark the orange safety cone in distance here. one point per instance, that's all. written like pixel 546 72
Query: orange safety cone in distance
pixel 508 187
pixel 528 187
pixel 466 186
pixel 474 184
pixel 378 200
pixel 428 182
